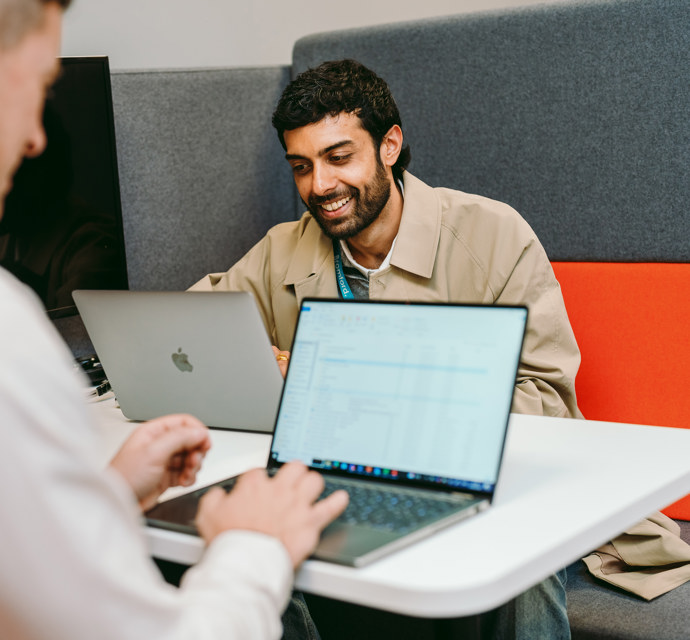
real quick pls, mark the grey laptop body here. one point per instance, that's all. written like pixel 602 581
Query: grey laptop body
pixel 202 353
pixel 404 405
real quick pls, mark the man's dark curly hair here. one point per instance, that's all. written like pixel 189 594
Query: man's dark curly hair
pixel 340 86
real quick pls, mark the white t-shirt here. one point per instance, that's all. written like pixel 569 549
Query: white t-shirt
pixel 73 558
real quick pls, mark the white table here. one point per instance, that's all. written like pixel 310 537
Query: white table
pixel 566 487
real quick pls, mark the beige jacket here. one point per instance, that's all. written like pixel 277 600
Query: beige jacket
pixel 451 246
pixel 649 559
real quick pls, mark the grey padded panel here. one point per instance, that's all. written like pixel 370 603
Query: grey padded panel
pixel 202 174
pixel 578 115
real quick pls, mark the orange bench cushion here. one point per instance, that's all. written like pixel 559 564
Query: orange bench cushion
pixel 631 324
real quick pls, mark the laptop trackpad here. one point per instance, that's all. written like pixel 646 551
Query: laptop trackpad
pixel 350 544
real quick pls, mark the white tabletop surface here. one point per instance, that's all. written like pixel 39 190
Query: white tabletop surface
pixel 566 486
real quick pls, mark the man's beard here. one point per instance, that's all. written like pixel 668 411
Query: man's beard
pixel 366 206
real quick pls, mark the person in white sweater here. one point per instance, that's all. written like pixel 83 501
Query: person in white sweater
pixel 73 556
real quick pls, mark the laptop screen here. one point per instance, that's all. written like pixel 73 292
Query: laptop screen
pixel 403 391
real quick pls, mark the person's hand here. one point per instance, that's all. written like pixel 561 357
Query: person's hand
pixel 282 506
pixel 162 453
pixel 282 357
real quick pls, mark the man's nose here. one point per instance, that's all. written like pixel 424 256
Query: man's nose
pixel 36 144
pixel 323 180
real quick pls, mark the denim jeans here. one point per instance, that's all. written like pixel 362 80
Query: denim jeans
pixel 537 614
pixel 540 613
pixel 297 621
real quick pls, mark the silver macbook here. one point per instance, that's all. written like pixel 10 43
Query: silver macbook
pixel 404 405
pixel 207 354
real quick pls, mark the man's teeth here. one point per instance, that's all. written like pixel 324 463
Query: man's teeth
pixel 332 206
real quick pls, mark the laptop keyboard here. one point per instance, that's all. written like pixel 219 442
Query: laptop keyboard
pixel 393 509
pixel 385 508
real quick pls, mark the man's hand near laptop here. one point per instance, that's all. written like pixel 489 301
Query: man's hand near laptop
pixel 162 453
pixel 168 452
pixel 282 358
pixel 282 506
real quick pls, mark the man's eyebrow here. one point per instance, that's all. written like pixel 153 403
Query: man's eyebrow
pixel 323 152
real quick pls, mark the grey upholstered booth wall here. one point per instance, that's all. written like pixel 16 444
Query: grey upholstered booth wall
pixel 578 115
pixel 202 174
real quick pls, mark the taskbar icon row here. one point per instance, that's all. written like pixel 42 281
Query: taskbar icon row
pixel 398 474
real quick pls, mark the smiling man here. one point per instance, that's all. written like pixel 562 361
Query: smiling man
pixel 373 230
pixel 346 184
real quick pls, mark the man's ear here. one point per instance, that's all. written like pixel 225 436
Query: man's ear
pixel 391 146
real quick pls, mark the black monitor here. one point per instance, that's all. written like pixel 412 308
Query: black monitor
pixel 62 225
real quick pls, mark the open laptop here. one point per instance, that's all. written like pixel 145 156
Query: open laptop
pixel 410 398
pixel 202 353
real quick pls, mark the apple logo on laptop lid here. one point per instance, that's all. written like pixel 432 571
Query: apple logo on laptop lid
pixel 181 361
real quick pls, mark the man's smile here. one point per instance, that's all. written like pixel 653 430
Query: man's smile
pixel 333 207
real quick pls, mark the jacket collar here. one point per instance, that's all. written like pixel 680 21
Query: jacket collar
pixel 313 253
pixel 415 247
pixel 420 229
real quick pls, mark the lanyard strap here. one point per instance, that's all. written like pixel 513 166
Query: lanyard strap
pixel 345 291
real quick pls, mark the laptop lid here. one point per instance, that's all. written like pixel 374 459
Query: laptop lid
pixel 412 393
pixel 194 352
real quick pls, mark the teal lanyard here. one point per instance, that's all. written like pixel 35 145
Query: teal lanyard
pixel 345 291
